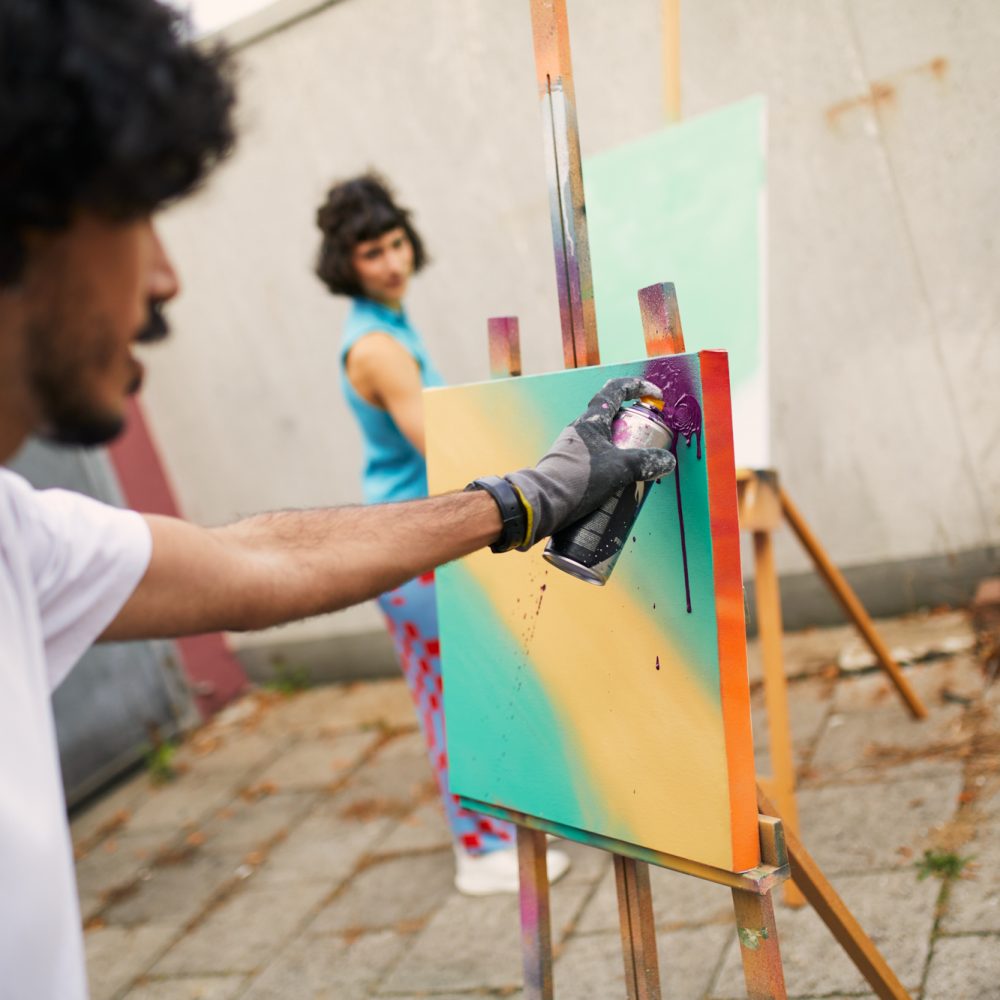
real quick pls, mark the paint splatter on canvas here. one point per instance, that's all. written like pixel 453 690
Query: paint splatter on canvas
pixel 552 706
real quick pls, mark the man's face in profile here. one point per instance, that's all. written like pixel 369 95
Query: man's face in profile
pixel 91 292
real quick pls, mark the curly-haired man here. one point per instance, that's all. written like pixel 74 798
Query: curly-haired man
pixel 107 113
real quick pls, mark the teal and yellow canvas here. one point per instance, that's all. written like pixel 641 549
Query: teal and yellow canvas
pixel 619 711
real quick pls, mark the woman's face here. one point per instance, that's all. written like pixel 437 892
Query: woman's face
pixel 384 266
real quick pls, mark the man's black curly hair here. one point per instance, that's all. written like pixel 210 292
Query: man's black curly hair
pixel 105 105
pixel 354 211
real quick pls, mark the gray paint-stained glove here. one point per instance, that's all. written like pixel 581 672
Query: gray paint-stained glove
pixel 583 468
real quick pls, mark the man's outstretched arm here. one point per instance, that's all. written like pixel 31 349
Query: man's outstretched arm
pixel 280 567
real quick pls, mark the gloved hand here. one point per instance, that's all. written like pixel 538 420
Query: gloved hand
pixel 583 468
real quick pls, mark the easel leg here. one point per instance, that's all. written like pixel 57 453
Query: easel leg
pixel 635 911
pixel 832 911
pixel 758 936
pixel 849 600
pixel 775 689
pixel 536 921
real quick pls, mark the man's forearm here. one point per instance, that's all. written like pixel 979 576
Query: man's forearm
pixel 325 560
pixel 275 568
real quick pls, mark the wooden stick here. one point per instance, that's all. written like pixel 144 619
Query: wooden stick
pixel 758 936
pixel 849 600
pixel 635 913
pixel 775 688
pixel 505 346
pixel 536 920
pixel 565 175
pixel 661 320
pixel 672 60
pixel 835 914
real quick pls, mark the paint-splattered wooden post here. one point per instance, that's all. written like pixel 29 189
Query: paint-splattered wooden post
pixel 565 175
pixel 505 346
pixel 575 286
pixel 536 920
pixel 755 926
pixel 638 931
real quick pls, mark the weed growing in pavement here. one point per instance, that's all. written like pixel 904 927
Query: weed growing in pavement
pixel 941 864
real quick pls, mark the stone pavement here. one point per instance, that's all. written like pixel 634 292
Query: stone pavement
pixel 301 853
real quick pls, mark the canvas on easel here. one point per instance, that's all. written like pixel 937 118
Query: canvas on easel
pixel 620 711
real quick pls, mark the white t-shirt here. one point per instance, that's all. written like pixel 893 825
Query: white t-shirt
pixel 67 565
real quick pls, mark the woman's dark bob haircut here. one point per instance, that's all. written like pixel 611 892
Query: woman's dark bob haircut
pixel 355 211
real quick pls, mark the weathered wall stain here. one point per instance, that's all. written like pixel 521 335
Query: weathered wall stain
pixel 882 93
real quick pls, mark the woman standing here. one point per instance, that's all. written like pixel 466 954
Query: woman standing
pixel 369 251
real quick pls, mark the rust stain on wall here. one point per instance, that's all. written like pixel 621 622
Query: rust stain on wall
pixel 882 93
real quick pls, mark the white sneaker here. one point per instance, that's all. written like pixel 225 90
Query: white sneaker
pixel 497 871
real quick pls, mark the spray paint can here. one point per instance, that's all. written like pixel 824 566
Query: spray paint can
pixel 589 548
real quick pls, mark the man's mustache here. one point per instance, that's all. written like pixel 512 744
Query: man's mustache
pixel 156 327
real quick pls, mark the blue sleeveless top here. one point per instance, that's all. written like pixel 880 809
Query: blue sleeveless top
pixel 393 468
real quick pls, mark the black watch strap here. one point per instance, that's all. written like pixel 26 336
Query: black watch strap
pixel 512 513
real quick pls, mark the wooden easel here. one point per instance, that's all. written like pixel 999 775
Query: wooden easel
pixel 752 898
pixel 763 505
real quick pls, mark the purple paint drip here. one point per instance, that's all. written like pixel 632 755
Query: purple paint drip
pixel 682 412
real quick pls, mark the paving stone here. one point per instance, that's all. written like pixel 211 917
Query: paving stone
pixel 239 753
pixel 386 787
pixel 249 823
pixel 592 967
pixel 323 847
pixel 244 932
pixel 376 704
pixel 304 714
pixel 114 862
pixel 964 967
pixel 110 814
pixel 895 910
pixel 185 802
pixel 402 745
pixel 855 827
pixel 677 899
pixel 327 968
pixel 862 745
pixel 317 763
pixel 172 894
pixel 390 894
pixel 974 900
pixel 117 955
pixel 187 988
pixel 424 829
pixel 474 943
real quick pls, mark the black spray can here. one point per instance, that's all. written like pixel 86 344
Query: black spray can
pixel 589 548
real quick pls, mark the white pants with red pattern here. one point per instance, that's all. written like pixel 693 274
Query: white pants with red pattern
pixel 411 615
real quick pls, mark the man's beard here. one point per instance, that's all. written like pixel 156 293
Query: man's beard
pixel 69 416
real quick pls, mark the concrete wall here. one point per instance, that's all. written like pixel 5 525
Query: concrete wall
pixel 883 301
